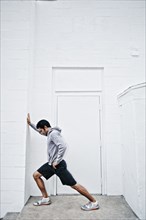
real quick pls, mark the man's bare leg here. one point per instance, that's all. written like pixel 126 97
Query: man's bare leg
pixel 83 191
pixel 40 184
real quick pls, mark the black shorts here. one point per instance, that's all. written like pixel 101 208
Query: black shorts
pixel 61 171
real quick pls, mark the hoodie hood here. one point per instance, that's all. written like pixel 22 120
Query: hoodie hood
pixel 56 128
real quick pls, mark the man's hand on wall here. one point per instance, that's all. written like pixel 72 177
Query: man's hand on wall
pixel 28 119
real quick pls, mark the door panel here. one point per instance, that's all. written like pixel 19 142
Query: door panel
pixel 78 116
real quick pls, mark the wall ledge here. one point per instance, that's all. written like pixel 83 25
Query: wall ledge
pixel 131 88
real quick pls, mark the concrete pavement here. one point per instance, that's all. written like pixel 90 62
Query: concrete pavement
pixel 68 208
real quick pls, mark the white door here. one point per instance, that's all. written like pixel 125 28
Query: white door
pixel 78 116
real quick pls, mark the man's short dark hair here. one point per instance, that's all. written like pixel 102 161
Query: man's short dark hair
pixel 42 123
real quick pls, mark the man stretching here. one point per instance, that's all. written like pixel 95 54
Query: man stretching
pixel 56 148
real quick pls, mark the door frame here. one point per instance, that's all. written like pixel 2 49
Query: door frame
pixel 53 100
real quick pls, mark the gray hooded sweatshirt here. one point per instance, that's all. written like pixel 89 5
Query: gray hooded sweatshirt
pixel 56 146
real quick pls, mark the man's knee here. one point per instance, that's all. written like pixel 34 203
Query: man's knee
pixel 36 175
pixel 78 187
pixel 75 186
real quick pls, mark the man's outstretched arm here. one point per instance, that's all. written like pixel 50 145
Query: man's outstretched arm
pixel 30 124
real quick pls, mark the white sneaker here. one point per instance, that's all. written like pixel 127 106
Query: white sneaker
pixel 43 201
pixel 90 206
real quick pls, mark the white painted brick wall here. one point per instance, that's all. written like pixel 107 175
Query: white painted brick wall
pixel 15 47
pixel 68 34
pixel 132 104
